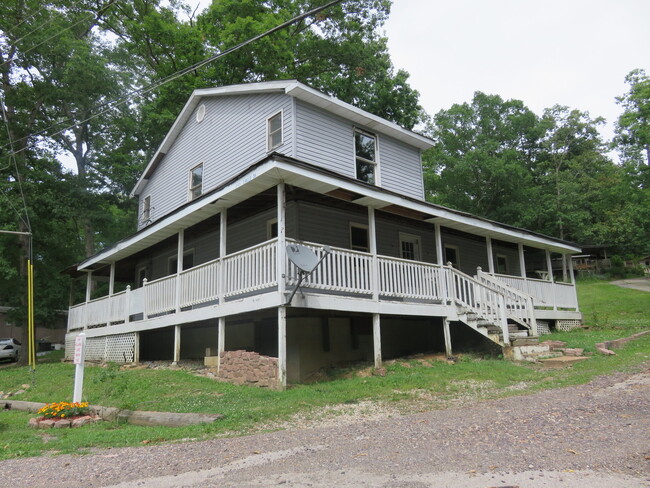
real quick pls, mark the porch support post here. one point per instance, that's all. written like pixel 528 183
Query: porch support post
pixel 549 266
pixel 221 285
pixel 439 253
pixel 282 244
pixel 573 278
pixel 89 284
pixel 376 338
pixel 447 334
pixel 522 261
pixel 111 279
pixel 440 260
pixel 372 236
pixel 490 256
pixel 136 348
pixel 179 267
pixel 177 344
pixel 282 345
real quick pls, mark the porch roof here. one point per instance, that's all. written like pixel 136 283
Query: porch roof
pixel 276 168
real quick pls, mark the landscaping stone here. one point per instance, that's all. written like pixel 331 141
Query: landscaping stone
pixel 554 344
pixel 61 424
pixel 249 368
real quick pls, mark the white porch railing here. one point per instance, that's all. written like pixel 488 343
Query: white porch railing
pixel 519 305
pixel 544 293
pixel 343 271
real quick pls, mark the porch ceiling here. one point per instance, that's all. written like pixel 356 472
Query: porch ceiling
pixel 277 168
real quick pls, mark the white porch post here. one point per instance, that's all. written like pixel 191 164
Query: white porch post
pixel 282 241
pixel 111 280
pixel 89 284
pixel 571 274
pixel 439 253
pixel 549 266
pixel 282 346
pixel 281 268
pixel 376 338
pixel 177 344
pixel 179 267
pixel 221 334
pixel 447 334
pixel 441 263
pixel 490 255
pixel 372 237
pixel 522 261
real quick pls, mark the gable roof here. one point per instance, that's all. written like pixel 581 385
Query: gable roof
pixel 295 89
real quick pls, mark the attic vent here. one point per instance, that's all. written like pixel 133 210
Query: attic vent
pixel 200 113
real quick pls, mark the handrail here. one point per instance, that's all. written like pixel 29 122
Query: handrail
pixel 519 305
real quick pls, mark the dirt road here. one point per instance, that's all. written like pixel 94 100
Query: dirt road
pixel 595 435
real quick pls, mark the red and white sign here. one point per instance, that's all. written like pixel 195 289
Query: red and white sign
pixel 79 349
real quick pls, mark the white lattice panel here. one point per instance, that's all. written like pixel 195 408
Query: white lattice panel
pixel 69 347
pixel 120 348
pixel 95 347
pixel 543 327
pixel 567 324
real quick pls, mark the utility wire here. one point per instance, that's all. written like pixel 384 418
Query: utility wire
pixel 178 74
pixel 18 179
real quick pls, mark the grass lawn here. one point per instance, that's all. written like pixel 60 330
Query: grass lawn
pixel 609 311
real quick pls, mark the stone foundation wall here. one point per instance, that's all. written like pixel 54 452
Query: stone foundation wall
pixel 249 368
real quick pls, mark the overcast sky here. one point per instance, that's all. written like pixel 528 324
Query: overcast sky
pixel 568 52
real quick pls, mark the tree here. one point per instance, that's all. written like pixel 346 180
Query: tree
pixel 633 127
pixel 483 158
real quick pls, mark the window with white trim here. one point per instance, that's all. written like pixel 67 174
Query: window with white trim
pixel 140 276
pixel 146 209
pixel 452 255
pixel 502 264
pixel 409 246
pixel 365 151
pixel 272 228
pixel 196 181
pixel 274 131
pixel 359 240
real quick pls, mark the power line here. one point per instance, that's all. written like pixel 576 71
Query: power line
pixel 177 74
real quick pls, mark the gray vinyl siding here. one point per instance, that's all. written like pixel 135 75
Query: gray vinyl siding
pixel 327 140
pixel 512 257
pixel 253 230
pixel 230 138
pixel 400 167
pixel 471 253
pixel 331 226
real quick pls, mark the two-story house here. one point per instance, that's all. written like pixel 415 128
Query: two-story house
pixel 246 171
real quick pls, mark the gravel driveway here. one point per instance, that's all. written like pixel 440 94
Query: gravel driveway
pixel 594 435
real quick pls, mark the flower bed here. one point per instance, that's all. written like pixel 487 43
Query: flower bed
pixel 63 414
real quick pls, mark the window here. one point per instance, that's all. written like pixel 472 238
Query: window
pixel 366 156
pixel 141 274
pixel 359 237
pixel 272 228
pixel 409 246
pixel 146 209
pixel 188 262
pixel 274 131
pixel 452 255
pixel 502 264
pixel 196 181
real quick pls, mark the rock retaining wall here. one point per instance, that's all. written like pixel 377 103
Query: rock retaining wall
pixel 249 368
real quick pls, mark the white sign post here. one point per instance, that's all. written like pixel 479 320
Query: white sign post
pixel 79 355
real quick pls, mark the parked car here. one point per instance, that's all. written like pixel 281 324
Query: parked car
pixel 9 349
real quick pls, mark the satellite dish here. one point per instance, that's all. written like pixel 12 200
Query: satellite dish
pixel 304 258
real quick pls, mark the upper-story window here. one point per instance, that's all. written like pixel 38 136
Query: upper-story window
pixel 196 181
pixel 365 149
pixel 146 209
pixel 274 131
